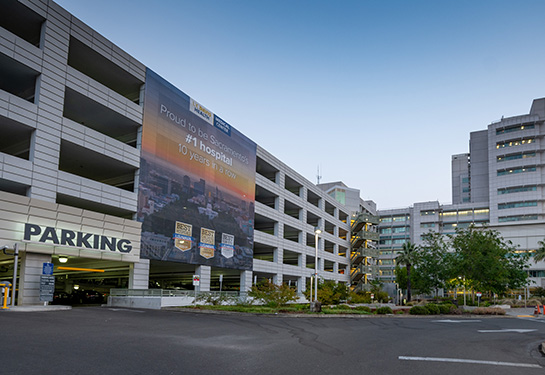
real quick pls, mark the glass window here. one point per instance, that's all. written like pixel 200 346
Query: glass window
pixel 521 155
pixel 514 128
pixel 503 219
pixel 504 172
pixel 502 206
pixel 517 189
pixel 515 142
pixel 427 225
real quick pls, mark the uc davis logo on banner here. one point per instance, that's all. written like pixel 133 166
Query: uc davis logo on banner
pixel 201 111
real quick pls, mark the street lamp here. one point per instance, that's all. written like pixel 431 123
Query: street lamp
pixel 317 231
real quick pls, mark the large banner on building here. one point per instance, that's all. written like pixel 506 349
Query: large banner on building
pixel 197 182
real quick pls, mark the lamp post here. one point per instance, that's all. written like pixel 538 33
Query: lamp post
pixel 317 231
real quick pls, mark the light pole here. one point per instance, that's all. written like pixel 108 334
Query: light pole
pixel 317 231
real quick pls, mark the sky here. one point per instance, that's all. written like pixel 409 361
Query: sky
pixel 377 94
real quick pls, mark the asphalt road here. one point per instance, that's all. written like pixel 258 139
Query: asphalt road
pixel 94 340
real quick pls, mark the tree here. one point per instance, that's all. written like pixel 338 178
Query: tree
pixel 539 254
pixel 486 262
pixel 329 292
pixel 433 263
pixel 407 258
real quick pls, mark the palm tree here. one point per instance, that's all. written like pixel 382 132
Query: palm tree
pixel 539 255
pixel 407 258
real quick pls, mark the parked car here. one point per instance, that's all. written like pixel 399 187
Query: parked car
pixel 61 298
pixel 86 296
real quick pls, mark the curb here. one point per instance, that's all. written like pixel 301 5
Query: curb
pixel 38 308
pixel 326 316
pixel 542 348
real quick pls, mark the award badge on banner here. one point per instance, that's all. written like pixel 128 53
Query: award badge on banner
pixel 182 236
pixel 227 245
pixel 206 246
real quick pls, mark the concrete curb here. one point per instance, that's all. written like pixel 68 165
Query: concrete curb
pixel 542 348
pixel 325 316
pixel 37 308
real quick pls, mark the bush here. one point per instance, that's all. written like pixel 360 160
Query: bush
pixel 488 311
pixel 273 295
pixel 455 310
pixel 418 310
pixel 445 308
pixel 384 310
pixel 363 308
pixel 359 297
pixel 433 309
pixel 214 300
pixel 329 292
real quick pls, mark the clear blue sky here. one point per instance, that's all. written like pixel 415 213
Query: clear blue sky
pixel 380 94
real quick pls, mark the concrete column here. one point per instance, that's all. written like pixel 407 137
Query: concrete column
pixel 301 285
pixel 29 279
pixel 278 279
pixel 139 274
pixel 246 280
pixel 205 274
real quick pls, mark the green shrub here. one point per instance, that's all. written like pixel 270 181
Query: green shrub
pixel 363 308
pixel 445 308
pixel 359 297
pixel 330 293
pixel 384 310
pixel 433 309
pixel 273 295
pixel 418 310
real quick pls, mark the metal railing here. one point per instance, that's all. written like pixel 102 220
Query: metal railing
pixel 168 293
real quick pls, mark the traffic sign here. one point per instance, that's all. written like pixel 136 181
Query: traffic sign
pixel 47 269
pixel 47 287
pixel 196 280
pixel 478 294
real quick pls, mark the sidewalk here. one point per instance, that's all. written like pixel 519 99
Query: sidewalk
pixel 524 312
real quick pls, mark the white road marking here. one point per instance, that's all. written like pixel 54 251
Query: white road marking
pixel 455 321
pixel 506 330
pixel 456 360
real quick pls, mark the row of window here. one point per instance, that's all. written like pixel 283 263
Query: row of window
pixel 502 206
pixel 515 142
pixel 517 189
pixel 481 211
pixel 514 128
pixel 393 219
pixel 504 219
pixel 398 241
pixel 520 155
pixel 504 172
pixel 427 212
pixel 394 230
